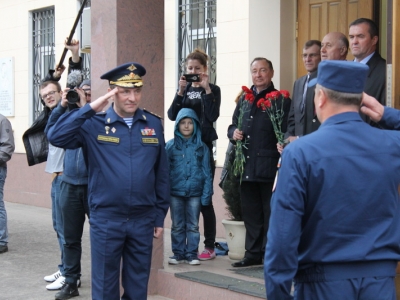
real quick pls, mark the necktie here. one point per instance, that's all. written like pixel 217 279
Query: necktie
pixel 303 102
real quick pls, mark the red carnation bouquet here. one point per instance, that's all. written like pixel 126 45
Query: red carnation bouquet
pixel 275 111
pixel 238 163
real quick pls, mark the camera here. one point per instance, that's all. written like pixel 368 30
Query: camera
pixel 74 79
pixel 72 96
pixel 192 77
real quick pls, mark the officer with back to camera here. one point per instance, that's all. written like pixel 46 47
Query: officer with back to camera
pixel 335 213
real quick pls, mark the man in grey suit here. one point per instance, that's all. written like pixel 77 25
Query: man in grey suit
pixel 363 35
pixel 311 59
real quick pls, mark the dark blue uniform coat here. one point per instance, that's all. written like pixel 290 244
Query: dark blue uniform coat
pixel 335 213
pixel 128 193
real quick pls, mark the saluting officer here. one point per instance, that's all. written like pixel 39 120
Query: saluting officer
pixel 335 213
pixel 128 181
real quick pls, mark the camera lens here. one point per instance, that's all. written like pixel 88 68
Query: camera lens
pixel 72 97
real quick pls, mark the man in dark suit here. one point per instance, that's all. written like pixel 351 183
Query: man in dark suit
pixel 363 35
pixel 334 46
pixel 311 59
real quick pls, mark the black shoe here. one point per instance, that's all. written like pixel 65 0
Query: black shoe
pixel 246 262
pixel 3 248
pixel 68 291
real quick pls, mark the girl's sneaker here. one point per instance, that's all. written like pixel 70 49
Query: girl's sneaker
pixel 193 260
pixel 207 254
pixel 176 260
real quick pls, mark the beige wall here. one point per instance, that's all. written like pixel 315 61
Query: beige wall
pixel 15 34
pixel 170 65
pixel 245 29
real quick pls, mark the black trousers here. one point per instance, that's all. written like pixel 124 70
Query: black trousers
pixel 256 210
pixel 209 220
pixel 74 207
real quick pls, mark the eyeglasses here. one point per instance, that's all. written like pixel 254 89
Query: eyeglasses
pixel 87 92
pixel 48 94
pixel 311 55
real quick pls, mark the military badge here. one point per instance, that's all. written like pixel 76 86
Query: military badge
pixel 148 131
pixel 109 139
pixel 150 140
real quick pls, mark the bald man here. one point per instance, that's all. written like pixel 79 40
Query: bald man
pixel 334 46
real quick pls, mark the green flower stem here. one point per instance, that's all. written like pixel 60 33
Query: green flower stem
pixel 240 159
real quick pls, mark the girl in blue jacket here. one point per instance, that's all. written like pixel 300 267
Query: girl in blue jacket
pixel 191 186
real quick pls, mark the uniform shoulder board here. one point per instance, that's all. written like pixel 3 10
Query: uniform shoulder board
pixel 149 112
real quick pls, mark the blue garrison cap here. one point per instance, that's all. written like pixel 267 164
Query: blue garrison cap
pixel 128 75
pixel 341 76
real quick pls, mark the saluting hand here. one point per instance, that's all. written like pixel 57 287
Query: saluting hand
pixel 372 108
pixel 101 102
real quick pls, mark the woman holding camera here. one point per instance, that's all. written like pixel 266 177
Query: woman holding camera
pixel 196 92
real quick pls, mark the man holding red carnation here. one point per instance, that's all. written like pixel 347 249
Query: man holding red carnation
pixel 253 129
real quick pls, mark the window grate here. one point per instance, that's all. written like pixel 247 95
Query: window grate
pixel 43 51
pixel 85 56
pixel 197 29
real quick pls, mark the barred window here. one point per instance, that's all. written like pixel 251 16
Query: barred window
pixel 198 29
pixel 86 54
pixel 197 20
pixel 43 51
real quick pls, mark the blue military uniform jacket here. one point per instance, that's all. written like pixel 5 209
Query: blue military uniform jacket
pixel 390 118
pixel 128 170
pixel 336 201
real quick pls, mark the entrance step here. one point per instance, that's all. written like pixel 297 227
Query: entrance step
pixel 233 284
pixel 212 279
pixel 196 285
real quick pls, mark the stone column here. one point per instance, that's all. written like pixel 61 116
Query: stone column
pixel 125 31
